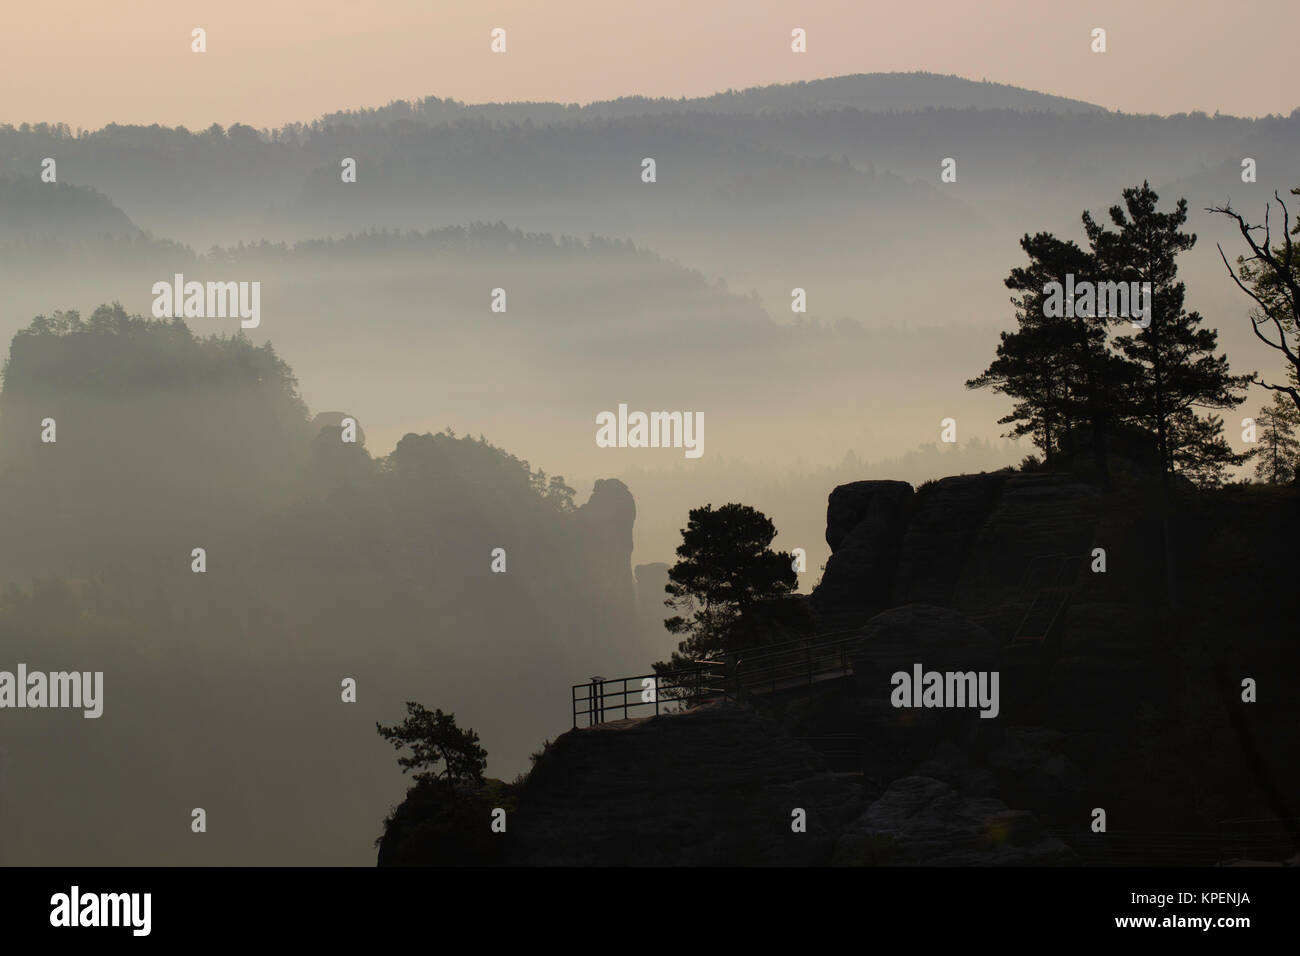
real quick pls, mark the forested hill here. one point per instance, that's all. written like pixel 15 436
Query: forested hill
pixel 872 92
pixel 30 208
pixel 172 514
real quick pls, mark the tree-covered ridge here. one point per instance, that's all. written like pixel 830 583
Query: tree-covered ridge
pixel 452 242
pixel 87 365
pixel 30 207
pixel 121 432
pixel 446 566
pixel 119 352
pixel 877 92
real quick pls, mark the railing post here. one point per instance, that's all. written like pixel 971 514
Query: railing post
pixel 625 698
pixel 656 693
pixel 573 693
pixel 597 706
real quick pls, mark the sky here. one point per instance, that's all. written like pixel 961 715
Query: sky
pixel 268 62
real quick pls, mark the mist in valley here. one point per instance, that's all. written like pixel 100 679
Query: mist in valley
pixel 495 279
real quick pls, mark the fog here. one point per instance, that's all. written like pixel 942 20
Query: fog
pixel 507 274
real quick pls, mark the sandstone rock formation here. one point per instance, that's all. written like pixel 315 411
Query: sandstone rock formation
pixel 920 821
pixel 946 577
pixel 712 786
pixel 865 522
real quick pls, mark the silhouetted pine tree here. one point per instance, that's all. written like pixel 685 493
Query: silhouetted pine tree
pixel 1174 357
pixel 1277 456
pixel 738 591
pixel 1058 368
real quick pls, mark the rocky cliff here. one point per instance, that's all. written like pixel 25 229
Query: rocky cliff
pixel 723 786
pixel 1119 665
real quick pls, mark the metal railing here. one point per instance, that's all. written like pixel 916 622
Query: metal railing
pixel 603 699
pixel 1052 579
pixel 794 664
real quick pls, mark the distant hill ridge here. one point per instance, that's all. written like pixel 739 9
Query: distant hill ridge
pixel 870 92
pixel 32 208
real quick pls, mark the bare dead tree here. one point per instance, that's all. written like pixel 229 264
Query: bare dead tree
pixel 1271 277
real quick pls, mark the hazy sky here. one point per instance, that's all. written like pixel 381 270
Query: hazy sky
pixel 91 62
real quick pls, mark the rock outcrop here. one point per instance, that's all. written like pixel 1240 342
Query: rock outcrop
pixel 711 786
pixel 920 821
pixel 865 523
pixel 945 578
pixel 936 637
pixel 978 543
pixel 608 516
pixel 717 785
pixel 947 517
pixel 604 530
